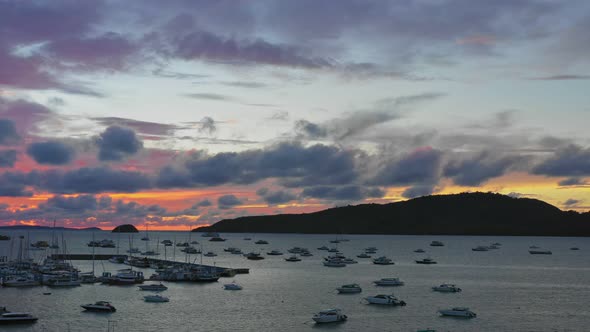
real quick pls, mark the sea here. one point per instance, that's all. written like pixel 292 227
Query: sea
pixel 508 288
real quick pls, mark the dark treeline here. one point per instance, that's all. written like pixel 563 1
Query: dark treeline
pixel 458 214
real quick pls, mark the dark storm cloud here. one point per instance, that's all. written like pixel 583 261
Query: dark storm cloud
pixel 14 184
pixel 310 130
pixel 78 203
pixel 203 203
pixel 421 166
pixel 8 134
pixel 97 180
pixel 117 143
pixel 227 202
pixel 341 193
pixel 276 197
pixel 51 152
pixel 7 158
pixel 572 182
pixel 571 161
pixel 478 169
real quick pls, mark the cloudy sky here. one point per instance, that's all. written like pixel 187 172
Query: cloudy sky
pixel 179 113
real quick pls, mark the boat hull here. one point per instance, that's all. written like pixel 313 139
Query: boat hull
pixel 17 321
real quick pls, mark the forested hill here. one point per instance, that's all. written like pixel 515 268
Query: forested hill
pixel 458 214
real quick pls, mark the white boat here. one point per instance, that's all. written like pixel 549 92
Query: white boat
pixel 388 282
pixel 156 298
pixel 385 300
pixel 329 316
pixel 153 287
pixel 293 258
pixel 446 288
pixel 349 289
pixel 100 306
pixel 540 252
pixel 383 261
pixel 436 244
pixel 232 286
pixel 458 312
pixel 334 263
pixel 8 318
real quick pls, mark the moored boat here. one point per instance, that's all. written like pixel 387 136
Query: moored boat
pixel 388 282
pixel 385 300
pixel 100 306
pixel 232 286
pixel 293 258
pixel 329 316
pixel 349 289
pixel 153 287
pixel 540 252
pixel 156 298
pixel 446 288
pixel 426 261
pixel 383 261
pixel 8 318
pixel 458 312
pixel 437 244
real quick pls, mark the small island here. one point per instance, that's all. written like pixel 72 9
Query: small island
pixel 126 228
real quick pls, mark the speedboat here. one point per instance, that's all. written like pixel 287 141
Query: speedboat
pixel 134 251
pixel 458 312
pixel 437 244
pixel 100 306
pixel 329 316
pixel 156 298
pixel 293 258
pixel 385 299
pixel 388 282
pixel 210 254
pixel 274 253
pixel 383 261
pixel 232 286
pixel 254 256
pixel 334 263
pixel 419 250
pixel 153 287
pixel 446 288
pixel 540 252
pixel 480 248
pixel 349 289
pixel 426 261
pixel 363 255
pixel 7 317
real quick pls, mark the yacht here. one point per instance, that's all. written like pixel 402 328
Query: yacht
pixel 446 288
pixel 237 251
pixel 293 258
pixel 134 251
pixel 363 255
pixel 383 261
pixel 540 252
pixel 210 254
pixel 334 263
pixel 254 256
pixel 426 261
pixel 480 248
pixel 194 242
pixel 349 289
pixel 388 282
pixel 329 316
pixel 40 244
pixel 100 306
pixel 7 318
pixel 153 287
pixel 420 250
pixel 274 253
pixel 20 282
pixel 458 312
pixel 385 300
pixel 124 277
pixel 247 238
pixel 261 242
pixel 156 298
pixel 117 259
pixel 437 244
pixel 64 281
pixel 232 286
pixel 333 250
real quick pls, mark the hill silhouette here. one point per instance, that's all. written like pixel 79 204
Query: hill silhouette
pixel 126 228
pixel 457 214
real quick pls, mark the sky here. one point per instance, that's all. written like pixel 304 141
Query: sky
pixel 176 114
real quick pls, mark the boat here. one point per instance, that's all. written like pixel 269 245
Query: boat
pixel 293 258
pixel 4 237
pixel 323 248
pixel 153 287
pixel 20 282
pixel 100 306
pixel 166 243
pixel 385 300
pixel 540 252
pixel 574 248
pixel 388 282
pixel 383 261
pixel 333 250
pixel 150 253
pixel 458 312
pixel 210 254
pixel 261 242
pixel 254 256
pixel 146 237
pixel 274 253
pixel 156 298
pixel 533 247
pixel 64 281
pixel 349 261
pixel 334 263
pixel 446 288
pixel 210 234
pixel 363 255
pixel 426 261
pixel 232 286
pixel 437 244
pixel 7 317
pixel 217 239
pixel 194 242
pixel 40 244
pixel 247 239
pixel 329 316
pixel 117 259
pixel 420 250
pixel 349 289
pixel 306 254
pixel 134 251
pixel 182 244
pixel 124 277
pixel 480 248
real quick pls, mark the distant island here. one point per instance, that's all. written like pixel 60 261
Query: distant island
pixel 24 227
pixel 457 214
pixel 126 228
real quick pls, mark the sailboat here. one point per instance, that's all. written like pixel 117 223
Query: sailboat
pixel 89 277
pixel 146 238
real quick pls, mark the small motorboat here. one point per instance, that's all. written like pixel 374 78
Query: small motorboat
pixel 329 316
pixel 540 252
pixel 458 312
pixel 437 244
pixel 383 261
pixel 261 242
pixel 334 263
pixel 446 288
pixel 480 248
pixel 574 248
pixel 210 254
pixel 426 261
pixel 7 318
pixel 385 300
pixel 217 239
pixel 232 286
pixel 363 255
pixel 156 298
pixel 420 250
pixel 254 256
pixel 388 282
pixel 153 287
pixel 100 306
pixel 349 289
pixel 293 258
pixel 306 254
pixel 274 253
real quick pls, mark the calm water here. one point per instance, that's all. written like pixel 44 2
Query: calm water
pixel 509 289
